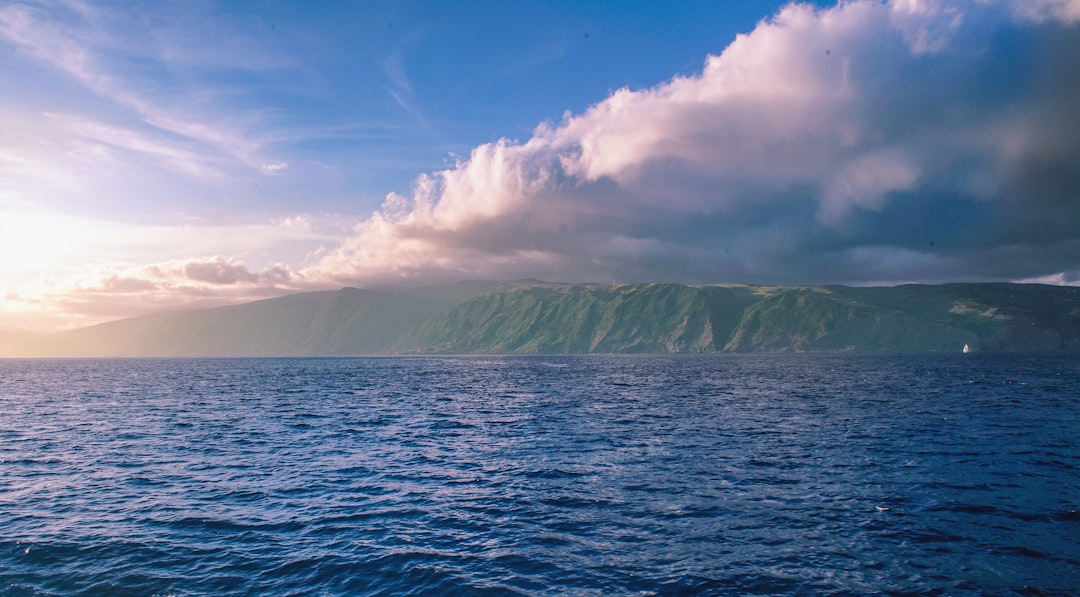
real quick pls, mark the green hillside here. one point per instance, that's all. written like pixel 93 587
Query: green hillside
pixel 537 317
pixel 1018 317
pixel 640 318
pixel 659 318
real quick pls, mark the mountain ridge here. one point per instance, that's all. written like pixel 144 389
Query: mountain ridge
pixel 534 317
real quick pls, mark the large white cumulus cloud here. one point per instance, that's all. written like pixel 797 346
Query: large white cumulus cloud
pixel 868 142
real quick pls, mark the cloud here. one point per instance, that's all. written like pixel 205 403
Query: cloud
pixel 95 46
pixel 110 292
pixel 870 142
pixel 274 167
pixel 99 139
pixel 219 272
pixel 915 140
pixel 92 276
pixel 1067 11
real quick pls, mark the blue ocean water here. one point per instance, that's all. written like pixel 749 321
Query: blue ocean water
pixel 804 475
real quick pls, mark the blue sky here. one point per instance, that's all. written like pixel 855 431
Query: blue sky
pixel 356 99
pixel 173 155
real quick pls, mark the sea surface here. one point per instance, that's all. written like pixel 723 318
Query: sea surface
pixel 724 475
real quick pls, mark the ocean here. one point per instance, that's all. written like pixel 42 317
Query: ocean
pixel 940 474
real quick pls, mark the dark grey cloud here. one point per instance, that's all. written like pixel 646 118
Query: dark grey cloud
pixel 871 142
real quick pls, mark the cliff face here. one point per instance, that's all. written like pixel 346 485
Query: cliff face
pixel 675 318
pixel 535 317
pixel 645 318
pixel 824 320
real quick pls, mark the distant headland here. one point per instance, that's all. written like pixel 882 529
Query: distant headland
pixel 533 317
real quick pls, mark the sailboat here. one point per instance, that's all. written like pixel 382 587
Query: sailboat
pixel 967 349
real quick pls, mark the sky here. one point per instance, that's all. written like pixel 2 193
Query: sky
pixel 163 156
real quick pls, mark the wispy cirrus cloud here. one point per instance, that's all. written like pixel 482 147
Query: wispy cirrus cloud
pixel 180 157
pixel 1048 10
pixel 97 46
pixel 400 87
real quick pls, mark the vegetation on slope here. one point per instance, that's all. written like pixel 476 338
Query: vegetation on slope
pixel 537 317
pixel 676 318
pixel 639 318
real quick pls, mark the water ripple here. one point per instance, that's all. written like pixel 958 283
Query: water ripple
pixel 809 475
